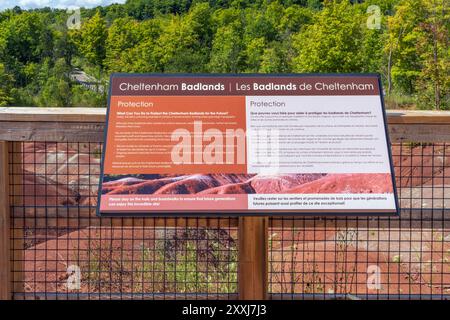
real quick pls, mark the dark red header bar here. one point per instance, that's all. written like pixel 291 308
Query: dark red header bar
pixel 147 85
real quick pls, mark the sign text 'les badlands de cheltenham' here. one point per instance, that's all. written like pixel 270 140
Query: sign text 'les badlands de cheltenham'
pixel 189 145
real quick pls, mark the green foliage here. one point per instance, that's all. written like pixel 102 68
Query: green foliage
pixel 80 97
pixel 433 82
pixel 124 36
pixel 166 266
pixel 332 43
pixel 410 50
pixel 183 45
pixel 402 42
pixel 24 38
pixel 294 18
pixel 418 44
pixel 227 49
pixel 55 91
pixel 5 87
pixel 91 39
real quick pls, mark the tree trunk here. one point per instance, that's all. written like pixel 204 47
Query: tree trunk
pixel 389 79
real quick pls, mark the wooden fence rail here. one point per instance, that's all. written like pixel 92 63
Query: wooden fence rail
pixel 87 125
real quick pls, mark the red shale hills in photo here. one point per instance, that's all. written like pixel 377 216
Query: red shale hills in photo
pixel 249 184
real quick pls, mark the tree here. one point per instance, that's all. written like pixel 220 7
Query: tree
pixel 294 18
pixel 143 57
pixel 184 43
pixel 404 63
pixel 433 82
pixel 275 60
pixel 373 41
pixel 227 49
pixel 56 90
pixel 140 9
pixel 253 53
pixel 91 40
pixel 332 43
pixel 262 23
pixel 63 46
pixel 410 49
pixel 122 36
pixel 227 53
pixel 24 38
pixel 115 11
pixel 5 87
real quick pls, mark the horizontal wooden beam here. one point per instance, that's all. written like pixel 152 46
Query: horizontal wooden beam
pixel 418 117
pixel 52 131
pixel 34 114
pixel 434 133
pixel 93 132
pixel 87 125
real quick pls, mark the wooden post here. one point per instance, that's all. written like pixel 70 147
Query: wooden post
pixel 5 262
pixel 253 263
pixel 17 253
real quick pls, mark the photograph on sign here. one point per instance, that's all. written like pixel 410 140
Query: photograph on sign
pixel 246 145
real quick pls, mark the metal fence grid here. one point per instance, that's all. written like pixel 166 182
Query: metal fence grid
pixel 373 258
pixel 55 238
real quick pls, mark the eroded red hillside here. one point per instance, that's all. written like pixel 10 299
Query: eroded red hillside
pixel 347 183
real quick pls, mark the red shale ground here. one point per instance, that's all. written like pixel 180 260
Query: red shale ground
pixel 413 255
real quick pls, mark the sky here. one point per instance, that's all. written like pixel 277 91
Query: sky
pixel 32 4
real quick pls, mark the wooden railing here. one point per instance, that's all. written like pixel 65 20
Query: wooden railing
pixel 19 125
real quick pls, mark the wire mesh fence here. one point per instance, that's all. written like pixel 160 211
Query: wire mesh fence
pixel 60 250
pixel 404 257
